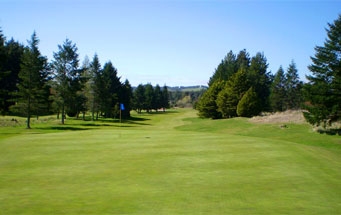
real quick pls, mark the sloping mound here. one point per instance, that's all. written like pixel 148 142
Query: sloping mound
pixel 289 116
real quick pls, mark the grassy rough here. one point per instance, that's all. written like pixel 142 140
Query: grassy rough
pixel 169 163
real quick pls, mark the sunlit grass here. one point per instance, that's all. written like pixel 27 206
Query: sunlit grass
pixel 168 163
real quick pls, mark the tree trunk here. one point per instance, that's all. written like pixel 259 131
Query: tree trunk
pixel 63 113
pixel 28 121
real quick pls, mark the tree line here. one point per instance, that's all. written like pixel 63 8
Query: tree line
pixel 242 85
pixel 32 86
pixel 148 98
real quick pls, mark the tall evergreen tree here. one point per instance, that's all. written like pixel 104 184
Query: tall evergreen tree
pixel 66 75
pixel 3 74
pixel 96 84
pixel 126 98
pixel 225 69
pixel 157 98
pixel 250 104
pixel 293 87
pixel 10 59
pixel 207 105
pixel 260 79
pixel 323 90
pixel 33 78
pixel 139 98
pixel 111 90
pixel 149 97
pixel 231 94
pixel 278 91
pixel 243 60
pixel 165 97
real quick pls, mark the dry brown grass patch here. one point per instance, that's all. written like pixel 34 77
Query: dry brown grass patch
pixel 289 116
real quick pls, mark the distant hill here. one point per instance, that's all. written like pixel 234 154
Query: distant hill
pixel 187 88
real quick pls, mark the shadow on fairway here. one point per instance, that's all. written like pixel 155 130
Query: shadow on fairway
pixel 64 128
pixel 330 132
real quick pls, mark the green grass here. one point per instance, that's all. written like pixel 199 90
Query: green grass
pixel 168 163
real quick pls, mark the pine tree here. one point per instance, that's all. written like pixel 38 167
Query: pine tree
pixel 243 60
pixel 10 59
pixel 278 91
pixel 165 98
pixel 323 92
pixel 66 75
pixel 250 104
pixel 260 79
pixel 3 74
pixel 293 87
pixel 126 98
pixel 95 84
pixel 231 94
pixel 33 78
pixel 139 98
pixel 225 69
pixel 111 90
pixel 149 97
pixel 157 98
pixel 207 105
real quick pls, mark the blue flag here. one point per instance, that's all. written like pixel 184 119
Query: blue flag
pixel 122 106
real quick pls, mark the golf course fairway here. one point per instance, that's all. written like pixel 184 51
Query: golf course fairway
pixel 168 163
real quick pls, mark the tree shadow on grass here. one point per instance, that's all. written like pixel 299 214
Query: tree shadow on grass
pixel 64 128
pixel 330 131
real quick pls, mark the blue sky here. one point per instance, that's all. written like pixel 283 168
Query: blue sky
pixel 173 42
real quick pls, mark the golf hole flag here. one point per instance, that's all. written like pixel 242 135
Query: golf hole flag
pixel 122 106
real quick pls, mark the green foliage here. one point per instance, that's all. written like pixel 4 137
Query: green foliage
pixel 149 97
pixel 230 95
pixel 249 105
pixel 207 105
pixel 225 69
pixel 293 88
pixel 240 73
pixel 10 59
pixel 139 98
pixel 323 92
pixel 146 97
pixel 260 79
pixel 278 91
pixel 32 92
pixel 66 76
pixel 165 97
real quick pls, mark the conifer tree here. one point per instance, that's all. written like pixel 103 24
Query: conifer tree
pixel 126 98
pixel 323 91
pixel 231 94
pixel 10 59
pixel 278 91
pixel 111 88
pixel 207 105
pixel 250 104
pixel 66 75
pixel 33 78
pixel 293 87
pixel 149 97
pixel 260 79
pixel 225 69
pixel 139 98
pixel 165 98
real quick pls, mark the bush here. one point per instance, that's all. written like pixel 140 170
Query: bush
pixel 249 105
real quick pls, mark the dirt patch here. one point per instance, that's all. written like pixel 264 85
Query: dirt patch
pixel 289 116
